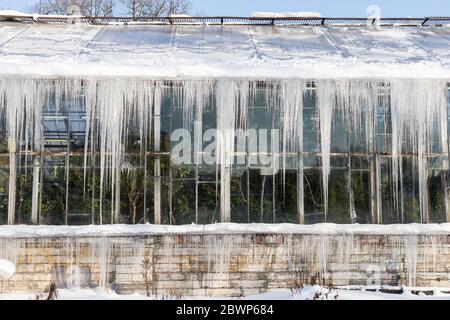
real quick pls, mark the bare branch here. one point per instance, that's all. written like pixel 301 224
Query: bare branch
pixel 103 8
pixel 156 8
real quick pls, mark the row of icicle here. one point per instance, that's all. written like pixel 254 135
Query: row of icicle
pixel 418 109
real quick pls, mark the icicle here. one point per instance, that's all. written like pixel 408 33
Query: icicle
pixel 111 107
pixel 226 123
pixel 292 119
pixel 21 102
pixel 194 97
pixel 292 114
pixel 326 100
pixel 416 106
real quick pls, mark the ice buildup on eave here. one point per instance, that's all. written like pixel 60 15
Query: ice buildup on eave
pixel 182 52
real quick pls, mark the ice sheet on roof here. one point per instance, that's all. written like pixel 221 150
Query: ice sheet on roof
pixel 157 51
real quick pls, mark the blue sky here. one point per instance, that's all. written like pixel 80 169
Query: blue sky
pixel 351 8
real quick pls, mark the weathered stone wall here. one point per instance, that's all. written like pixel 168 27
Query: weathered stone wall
pixel 232 265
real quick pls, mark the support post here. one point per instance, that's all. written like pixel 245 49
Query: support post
pixel 225 189
pixel 117 197
pixel 445 173
pixel 157 148
pixel 378 216
pixel 300 192
pixel 35 193
pixel 12 181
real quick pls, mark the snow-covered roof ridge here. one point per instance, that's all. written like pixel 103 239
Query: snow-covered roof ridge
pixel 30 231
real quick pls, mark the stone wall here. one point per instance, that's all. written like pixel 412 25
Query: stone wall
pixel 227 264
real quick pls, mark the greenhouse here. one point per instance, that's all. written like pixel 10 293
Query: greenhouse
pixel 197 123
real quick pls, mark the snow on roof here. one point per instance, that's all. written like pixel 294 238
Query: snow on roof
pixel 286 14
pixel 183 51
pixel 12 13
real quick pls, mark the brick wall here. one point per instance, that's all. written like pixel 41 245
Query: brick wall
pixel 232 265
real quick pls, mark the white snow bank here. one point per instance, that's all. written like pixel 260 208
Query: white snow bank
pixel 300 14
pixel 26 231
pixel 306 293
pixel 7 269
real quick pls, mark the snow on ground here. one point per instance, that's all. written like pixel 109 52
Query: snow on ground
pixel 307 293
pixel 211 51
pixel 24 231
pixel 7 269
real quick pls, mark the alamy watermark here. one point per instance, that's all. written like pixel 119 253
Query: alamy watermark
pixel 374 12
pixel 226 146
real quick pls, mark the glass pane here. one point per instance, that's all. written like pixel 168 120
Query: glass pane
pixel 310 131
pixel 436 182
pixel 239 194
pixel 361 196
pixel 359 135
pixel 390 213
pixel 339 135
pixel 338 199
pixel 313 196
pixel 80 192
pixel 53 191
pixel 4 188
pixel 208 203
pixel 261 198
pixel 410 194
pixel 286 199
pixel 183 201
pixel 24 189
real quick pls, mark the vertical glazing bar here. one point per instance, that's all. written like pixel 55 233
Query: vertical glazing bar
pixel 67 168
pixel 67 181
pixel 157 149
pixel 12 181
pixel 445 146
pixel 198 125
pixel 352 209
pixel 300 179
pixel 425 197
pixel 197 155
pixel 145 181
pixel 93 190
pixel 373 196
pixel 378 217
pixel 247 180
pixel 41 184
pixel 35 193
pixel 300 192
pixel 115 218
pixel 373 190
pixel 274 216
pixel 225 189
